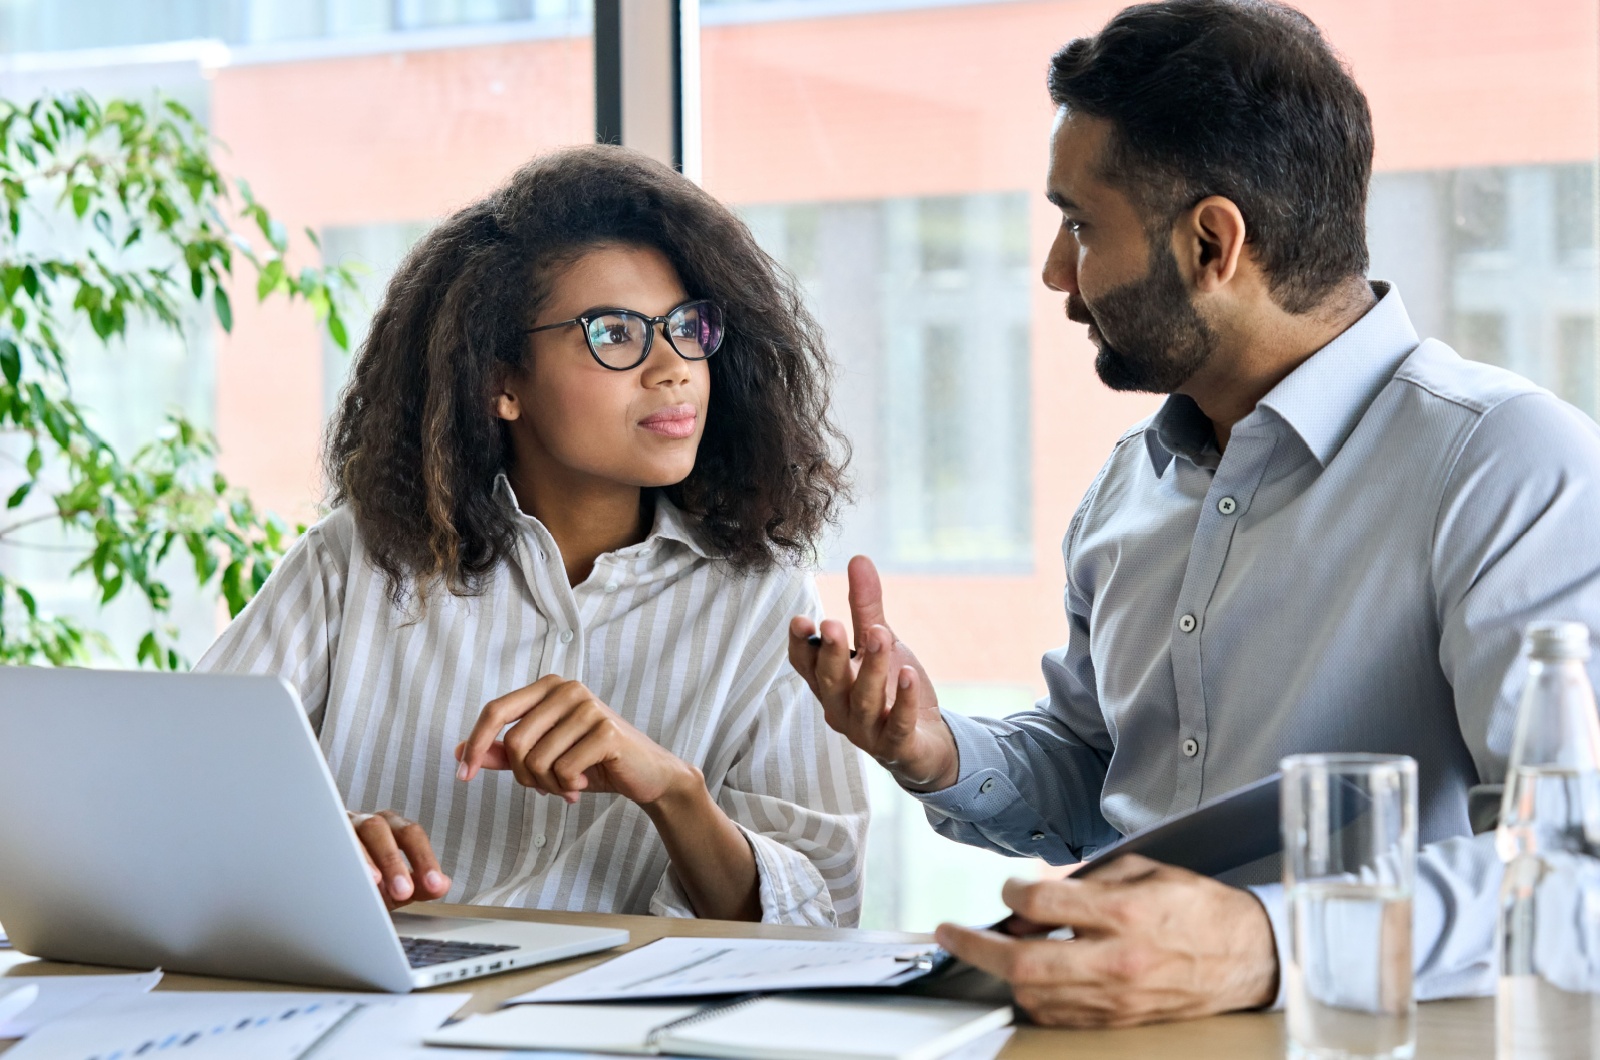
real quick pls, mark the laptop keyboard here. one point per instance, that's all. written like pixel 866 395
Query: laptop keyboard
pixel 423 953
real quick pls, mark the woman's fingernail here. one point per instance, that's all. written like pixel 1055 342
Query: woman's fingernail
pixel 905 680
pixel 461 771
pixel 400 887
pixel 377 877
pixel 436 881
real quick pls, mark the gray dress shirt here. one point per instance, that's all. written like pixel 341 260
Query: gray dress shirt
pixel 1353 574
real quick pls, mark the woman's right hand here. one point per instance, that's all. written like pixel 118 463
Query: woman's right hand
pixel 400 857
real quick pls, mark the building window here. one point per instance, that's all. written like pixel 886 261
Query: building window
pixel 376 251
pixel 924 302
pixel 1500 263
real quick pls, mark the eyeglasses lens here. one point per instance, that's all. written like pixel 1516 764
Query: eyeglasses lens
pixel 617 339
pixel 696 330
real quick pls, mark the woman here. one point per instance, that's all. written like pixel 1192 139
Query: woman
pixel 583 454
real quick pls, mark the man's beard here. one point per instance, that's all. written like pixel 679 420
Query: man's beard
pixel 1152 339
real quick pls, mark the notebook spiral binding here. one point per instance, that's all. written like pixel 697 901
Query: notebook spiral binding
pixel 721 1008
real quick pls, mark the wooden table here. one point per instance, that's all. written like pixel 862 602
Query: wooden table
pixel 1457 1030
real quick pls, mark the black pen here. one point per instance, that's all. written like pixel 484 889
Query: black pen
pixel 815 640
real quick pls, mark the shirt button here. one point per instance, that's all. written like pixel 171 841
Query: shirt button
pixel 1187 623
pixel 1037 837
pixel 1191 747
pixel 538 841
pixel 986 787
pixel 612 587
pixel 566 636
pixel 1227 506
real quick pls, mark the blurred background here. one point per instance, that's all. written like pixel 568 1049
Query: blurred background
pixel 891 153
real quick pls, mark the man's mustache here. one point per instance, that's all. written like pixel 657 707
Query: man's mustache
pixel 1078 310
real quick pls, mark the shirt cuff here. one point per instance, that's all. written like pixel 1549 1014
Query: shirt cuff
pixel 982 789
pixel 1270 895
pixel 792 891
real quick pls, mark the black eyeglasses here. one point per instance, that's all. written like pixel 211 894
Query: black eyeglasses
pixel 620 339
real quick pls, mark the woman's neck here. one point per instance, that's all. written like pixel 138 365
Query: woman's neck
pixel 587 517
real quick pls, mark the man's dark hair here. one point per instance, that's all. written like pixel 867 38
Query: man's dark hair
pixel 415 446
pixel 1238 98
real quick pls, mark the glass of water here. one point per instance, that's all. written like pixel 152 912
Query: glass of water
pixel 1349 866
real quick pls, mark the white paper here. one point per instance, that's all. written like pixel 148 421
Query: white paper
pixel 62 994
pixel 207 1026
pixel 986 1048
pixel 817 1025
pixel 608 1028
pixel 686 967
pixel 393 1028
pixel 5 943
pixel 13 999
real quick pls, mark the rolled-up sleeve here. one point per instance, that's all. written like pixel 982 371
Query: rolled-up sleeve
pixel 798 792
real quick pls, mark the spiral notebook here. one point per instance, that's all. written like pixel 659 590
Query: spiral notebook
pixel 791 1027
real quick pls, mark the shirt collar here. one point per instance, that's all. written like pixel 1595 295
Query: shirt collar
pixel 670 522
pixel 1321 401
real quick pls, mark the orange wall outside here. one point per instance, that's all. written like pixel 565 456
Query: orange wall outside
pixel 928 102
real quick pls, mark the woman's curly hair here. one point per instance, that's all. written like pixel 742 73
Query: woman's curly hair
pixel 414 447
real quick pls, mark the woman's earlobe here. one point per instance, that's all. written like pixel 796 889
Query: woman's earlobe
pixel 506 406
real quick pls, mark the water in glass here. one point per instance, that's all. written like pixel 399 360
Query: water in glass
pixel 1349 977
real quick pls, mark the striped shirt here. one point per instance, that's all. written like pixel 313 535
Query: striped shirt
pixel 688 650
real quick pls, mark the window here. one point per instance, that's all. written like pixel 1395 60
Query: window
pixel 892 154
pixel 67 25
pixel 1499 262
pixel 376 251
pixel 925 305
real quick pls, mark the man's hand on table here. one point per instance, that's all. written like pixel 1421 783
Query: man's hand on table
pixel 401 858
pixel 882 701
pixel 1152 943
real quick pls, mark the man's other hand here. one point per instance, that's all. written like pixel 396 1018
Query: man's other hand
pixel 1153 943
pixel 882 700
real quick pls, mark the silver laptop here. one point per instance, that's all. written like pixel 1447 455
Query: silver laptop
pixel 189 822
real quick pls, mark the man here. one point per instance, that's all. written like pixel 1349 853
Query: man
pixel 1329 537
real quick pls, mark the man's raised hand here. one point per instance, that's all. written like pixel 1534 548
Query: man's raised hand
pixel 882 701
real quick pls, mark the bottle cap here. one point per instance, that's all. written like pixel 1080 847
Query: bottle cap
pixel 1557 640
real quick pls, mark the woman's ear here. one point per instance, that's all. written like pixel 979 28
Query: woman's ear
pixel 506 406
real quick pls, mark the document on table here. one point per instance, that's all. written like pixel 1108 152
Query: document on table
pixel 804 1026
pixel 59 995
pixel 253 1026
pixel 689 967
pixel 203 1025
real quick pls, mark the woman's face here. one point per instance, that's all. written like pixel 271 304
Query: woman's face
pixel 569 414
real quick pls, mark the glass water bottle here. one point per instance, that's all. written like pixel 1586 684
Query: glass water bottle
pixel 1548 1003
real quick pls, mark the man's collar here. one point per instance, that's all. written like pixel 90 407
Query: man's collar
pixel 1322 400
pixel 669 524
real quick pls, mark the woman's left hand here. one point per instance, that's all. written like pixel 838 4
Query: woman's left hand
pixel 564 741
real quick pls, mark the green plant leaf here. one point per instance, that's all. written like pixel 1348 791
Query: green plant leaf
pixel 224 308
pixel 336 330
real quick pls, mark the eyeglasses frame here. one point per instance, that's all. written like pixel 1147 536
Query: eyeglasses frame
pixel 583 320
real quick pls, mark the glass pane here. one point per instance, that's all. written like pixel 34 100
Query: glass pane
pixel 364 150
pixel 30 26
pixel 892 153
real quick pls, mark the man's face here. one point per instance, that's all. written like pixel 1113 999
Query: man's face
pixel 1118 280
